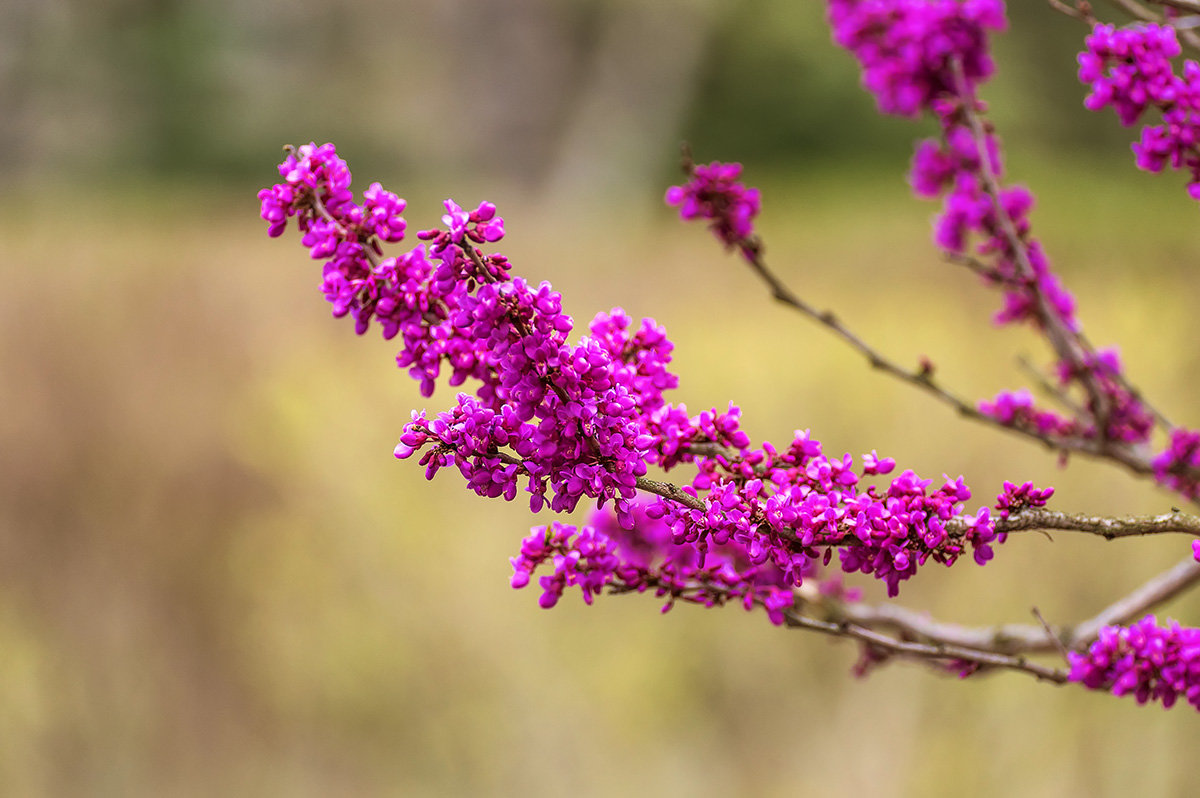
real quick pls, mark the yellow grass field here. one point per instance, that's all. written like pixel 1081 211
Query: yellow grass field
pixel 215 579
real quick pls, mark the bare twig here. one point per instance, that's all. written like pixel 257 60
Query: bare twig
pixel 974 264
pixel 922 378
pixel 1062 650
pixel 1135 461
pixel 1081 10
pixel 909 624
pixel 1136 10
pixel 1105 527
pixel 937 652
pixel 1192 6
pixel 1006 639
pixel 948 651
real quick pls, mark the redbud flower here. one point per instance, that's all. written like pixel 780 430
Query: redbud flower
pixel 714 193
pixel 1151 662
pixel 1130 69
pixel 908 48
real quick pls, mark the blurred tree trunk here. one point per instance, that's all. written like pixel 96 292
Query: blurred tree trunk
pixel 638 83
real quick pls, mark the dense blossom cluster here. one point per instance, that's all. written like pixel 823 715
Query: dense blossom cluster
pixel 907 46
pixel 1154 663
pixel 563 421
pixel 793 506
pixel 413 295
pixel 1131 70
pixel 709 569
pixel 645 557
pixel 714 193
pixel 1017 409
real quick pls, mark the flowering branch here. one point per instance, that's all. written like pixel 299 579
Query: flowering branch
pixel 751 248
pixel 565 421
pixel 1051 321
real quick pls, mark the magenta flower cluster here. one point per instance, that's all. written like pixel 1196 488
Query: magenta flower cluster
pixel 794 506
pixel 564 421
pixel 910 49
pixel 1127 419
pixel 411 295
pixel 1178 466
pixel 714 193
pixel 1151 662
pixel 1130 69
pixel 1017 409
pixel 644 557
pixel 1016 498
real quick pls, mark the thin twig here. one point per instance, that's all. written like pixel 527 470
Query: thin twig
pixel 974 264
pixel 1062 650
pixel 930 649
pixel 1134 461
pixel 1102 526
pixel 909 624
pixel 1081 11
pixel 1192 6
pixel 1008 639
pixel 922 378
pixel 927 651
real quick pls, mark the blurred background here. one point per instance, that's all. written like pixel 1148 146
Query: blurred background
pixel 216 580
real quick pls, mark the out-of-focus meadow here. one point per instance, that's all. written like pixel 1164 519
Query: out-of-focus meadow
pixel 216 580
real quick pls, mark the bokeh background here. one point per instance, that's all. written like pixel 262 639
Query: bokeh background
pixel 216 580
